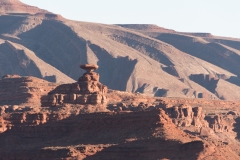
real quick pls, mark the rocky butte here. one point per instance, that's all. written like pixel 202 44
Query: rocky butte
pixel 88 90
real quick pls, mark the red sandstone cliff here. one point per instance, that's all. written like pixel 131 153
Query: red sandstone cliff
pixel 129 126
pixel 16 90
pixel 136 135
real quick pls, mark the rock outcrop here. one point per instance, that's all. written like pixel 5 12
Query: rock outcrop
pixel 221 123
pixel 88 90
pixel 134 127
pixel 186 115
pixel 16 90
pixel 120 135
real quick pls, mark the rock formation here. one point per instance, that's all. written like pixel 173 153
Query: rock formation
pixel 16 90
pixel 120 135
pixel 186 115
pixel 134 127
pixel 220 123
pixel 88 90
pixel 35 42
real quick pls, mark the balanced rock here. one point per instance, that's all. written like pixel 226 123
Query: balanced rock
pixel 88 90
pixel 89 67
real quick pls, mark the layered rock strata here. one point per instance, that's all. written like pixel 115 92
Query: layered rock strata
pixel 88 90
pixel 16 90
pixel 221 123
pixel 127 135
pixel 120 135
pixel 186 115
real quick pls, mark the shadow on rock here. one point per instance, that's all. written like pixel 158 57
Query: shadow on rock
pixel 30 139
pixel 237 127
pixel 151 149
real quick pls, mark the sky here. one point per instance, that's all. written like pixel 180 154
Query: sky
pixel 219 17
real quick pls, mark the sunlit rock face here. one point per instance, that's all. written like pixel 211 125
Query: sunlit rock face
pixel 15 6
pixel 88 90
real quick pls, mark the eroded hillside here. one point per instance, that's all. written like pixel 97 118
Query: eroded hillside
pixel 138 58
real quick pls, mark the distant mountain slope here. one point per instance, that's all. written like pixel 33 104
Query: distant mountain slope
pixel 15 6
pixel 135 58
pixel 16 59
pixel 147 28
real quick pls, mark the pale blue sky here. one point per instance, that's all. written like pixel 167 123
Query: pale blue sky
pixel 219 17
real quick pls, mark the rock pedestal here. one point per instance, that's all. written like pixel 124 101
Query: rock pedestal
pixel 88 90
